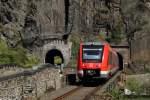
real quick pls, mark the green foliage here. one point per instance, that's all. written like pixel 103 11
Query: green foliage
pixel 93 37
pixel 31 61
pixel 133 85
pixel 116 33
pixel 75 45
pixel 116 94
pixel 5 54
pixel 16 55
pixel 73 63
pixel 57 60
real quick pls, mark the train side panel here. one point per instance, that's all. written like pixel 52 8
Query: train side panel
pixel 113 61
pixel 105 70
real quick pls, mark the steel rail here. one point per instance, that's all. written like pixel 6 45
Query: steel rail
pixel 87 97
pixel 110 81
pixel 102 88
pixel 68 93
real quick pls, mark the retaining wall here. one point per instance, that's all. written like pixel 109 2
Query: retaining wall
pixel 29 84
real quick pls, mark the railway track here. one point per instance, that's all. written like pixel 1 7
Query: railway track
pixel 78 93
pixel 97 93
pixel 87 92
pixel 68 93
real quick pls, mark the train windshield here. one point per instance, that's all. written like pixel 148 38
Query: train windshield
pixel 92 53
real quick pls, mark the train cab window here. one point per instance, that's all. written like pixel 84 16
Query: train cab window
pixel 92 53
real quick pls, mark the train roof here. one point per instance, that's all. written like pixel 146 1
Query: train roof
pixel 94 43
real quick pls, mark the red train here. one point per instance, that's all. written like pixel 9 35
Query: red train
pixel 97 60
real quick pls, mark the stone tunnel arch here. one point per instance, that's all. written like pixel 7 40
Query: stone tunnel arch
pixel 120 61
pixel 50 57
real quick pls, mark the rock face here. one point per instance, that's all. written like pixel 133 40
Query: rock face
pixel 91 16
pixel 136 16
pixel 30 20
pixel 27 19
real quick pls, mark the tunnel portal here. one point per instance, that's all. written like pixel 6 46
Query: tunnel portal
pixel 54 57
pixel 120 61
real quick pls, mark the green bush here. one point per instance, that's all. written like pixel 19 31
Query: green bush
pixel 75 39
pixel 73 63
pixel 133 85
pixel 57 60
pixel 116 33
pixel 31 61
pixel 116 94
pixel 18 55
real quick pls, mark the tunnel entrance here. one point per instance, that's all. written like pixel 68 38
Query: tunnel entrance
pixel 120 61
pixel 54 57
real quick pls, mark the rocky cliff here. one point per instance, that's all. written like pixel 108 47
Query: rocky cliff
pixel 136 18
pixel 27 19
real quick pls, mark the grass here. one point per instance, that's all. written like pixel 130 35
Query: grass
pixel 133 85
pixel 118 95
pixel 134 98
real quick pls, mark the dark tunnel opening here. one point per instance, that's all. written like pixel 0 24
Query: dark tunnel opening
pixel 120 61
pixel 54 57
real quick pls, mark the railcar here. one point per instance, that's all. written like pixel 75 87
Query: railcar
pixel 96 60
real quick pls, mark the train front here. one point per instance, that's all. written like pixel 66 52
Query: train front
pixel 90 60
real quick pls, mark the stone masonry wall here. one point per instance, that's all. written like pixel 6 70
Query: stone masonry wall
pixel 9 69
pixel 64 48
pixel 29 84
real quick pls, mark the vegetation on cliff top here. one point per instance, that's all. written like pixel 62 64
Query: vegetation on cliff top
pixel 18 55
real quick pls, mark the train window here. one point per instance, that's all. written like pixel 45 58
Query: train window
pixel 92 53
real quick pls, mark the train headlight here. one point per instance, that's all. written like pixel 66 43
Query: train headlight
pixel 80 72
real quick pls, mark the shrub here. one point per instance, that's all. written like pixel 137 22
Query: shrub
pixel 18 55
pixel 75 39
pixel 133 85
pixel 116 32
